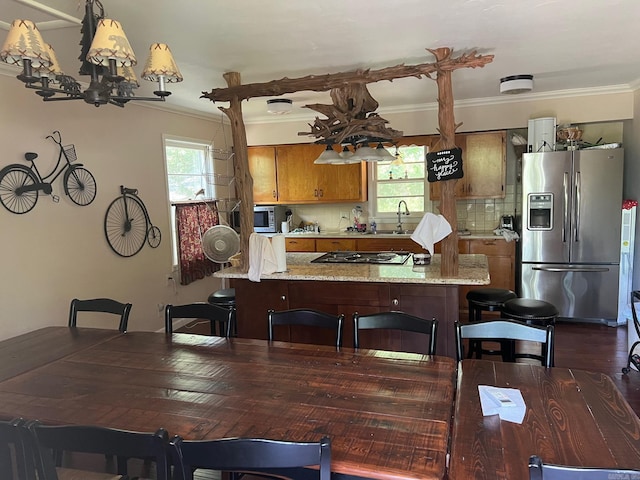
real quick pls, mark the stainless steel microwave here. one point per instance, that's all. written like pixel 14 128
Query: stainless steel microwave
pixel 268 218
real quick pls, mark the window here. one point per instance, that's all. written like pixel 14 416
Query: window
pixel 190 168
pixel 400 179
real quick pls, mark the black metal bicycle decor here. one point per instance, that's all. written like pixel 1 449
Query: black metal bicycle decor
pixel 20 185
pixel 127 224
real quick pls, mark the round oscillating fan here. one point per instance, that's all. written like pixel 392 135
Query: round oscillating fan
pixel 219 243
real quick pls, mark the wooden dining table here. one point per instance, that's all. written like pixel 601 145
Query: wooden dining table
pixel 388 414
pixel 573 417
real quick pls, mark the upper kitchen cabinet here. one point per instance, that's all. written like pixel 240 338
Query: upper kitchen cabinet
pixel 302 181
pixel 484 164
pixel 262 166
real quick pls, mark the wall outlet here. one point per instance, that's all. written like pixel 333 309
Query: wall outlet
pixel 160 309
pixel 170 279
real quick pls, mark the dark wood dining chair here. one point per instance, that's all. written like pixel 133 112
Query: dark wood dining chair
pixel 16 456
pixel 396 321
pixel 220 318
pixel 52 441
pixel 308 318
pixel 103 305
pixel 283 459
pixel 508 330
pixel 544 471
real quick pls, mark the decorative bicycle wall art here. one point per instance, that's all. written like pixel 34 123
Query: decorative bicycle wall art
pixel 20 185
pixel 127 224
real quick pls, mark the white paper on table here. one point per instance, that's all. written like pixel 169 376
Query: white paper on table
pixel 491 406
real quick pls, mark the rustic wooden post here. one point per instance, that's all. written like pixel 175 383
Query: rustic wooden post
pixel 244 182
pixel 447 127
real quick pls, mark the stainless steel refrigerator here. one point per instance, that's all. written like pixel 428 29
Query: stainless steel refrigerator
pixel 570 238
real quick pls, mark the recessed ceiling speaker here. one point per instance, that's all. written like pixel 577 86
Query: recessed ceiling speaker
pixel 279 106
pixel 515 84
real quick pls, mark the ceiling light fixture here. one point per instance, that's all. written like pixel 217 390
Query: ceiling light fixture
pixel 279 106
pixel 105 51
pixel 515 84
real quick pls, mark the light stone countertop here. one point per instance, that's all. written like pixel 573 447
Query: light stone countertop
pixel 334 234
pixel 472 270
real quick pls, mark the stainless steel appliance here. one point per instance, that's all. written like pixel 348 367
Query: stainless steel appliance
pixel 389 258
pixel 571 224
pixel 268 218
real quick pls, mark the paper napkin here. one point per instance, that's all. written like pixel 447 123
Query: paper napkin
pixel 512 409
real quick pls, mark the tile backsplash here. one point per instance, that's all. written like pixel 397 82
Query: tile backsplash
pixel 475 215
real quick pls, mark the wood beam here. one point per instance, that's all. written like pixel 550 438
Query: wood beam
pixel 244 181
pixel 323 83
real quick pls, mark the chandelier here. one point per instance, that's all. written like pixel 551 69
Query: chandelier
pixel 106 57
pixel 351 122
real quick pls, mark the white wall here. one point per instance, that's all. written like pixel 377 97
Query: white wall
pixel 58 251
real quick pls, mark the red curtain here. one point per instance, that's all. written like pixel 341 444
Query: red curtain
pixel 192 220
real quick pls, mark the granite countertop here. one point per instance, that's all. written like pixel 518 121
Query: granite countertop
pixel 334 234
pixel 472 270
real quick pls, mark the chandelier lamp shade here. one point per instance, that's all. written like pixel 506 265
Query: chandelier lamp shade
pixel 362 152
pixel 106 56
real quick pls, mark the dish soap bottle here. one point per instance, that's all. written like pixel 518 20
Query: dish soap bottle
pixel 373 226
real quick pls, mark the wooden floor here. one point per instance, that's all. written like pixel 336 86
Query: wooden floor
pixel 598 348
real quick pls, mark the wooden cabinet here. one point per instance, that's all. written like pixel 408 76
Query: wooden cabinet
pixel 336 244
pixel 287 174
pixel 253 299
pixel 300 244
pixel 262 166
pixel 370 244
pixel 302 181
pixel 484 163
pixel 501 257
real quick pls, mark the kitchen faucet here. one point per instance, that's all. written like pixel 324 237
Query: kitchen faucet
pixel 400 213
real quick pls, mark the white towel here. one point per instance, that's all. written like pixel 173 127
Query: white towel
pixel 509 235
pixel 262 259
pixel 431 229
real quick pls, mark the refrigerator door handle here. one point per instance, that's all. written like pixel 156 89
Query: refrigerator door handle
pixel 571 269
pixel 565 213
pixel 576 235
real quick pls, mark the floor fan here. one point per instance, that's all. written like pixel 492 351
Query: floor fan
pixel 219 242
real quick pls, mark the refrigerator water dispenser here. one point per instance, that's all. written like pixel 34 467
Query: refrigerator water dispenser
pixel 540 206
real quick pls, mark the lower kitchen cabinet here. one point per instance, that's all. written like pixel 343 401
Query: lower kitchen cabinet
pixel 254 299
pixel 501 257
pixel 336 245
pixel 300 244
pixel 388 244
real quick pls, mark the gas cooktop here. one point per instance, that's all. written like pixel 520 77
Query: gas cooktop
pixel 388 258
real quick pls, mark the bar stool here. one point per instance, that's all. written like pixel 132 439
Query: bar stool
pixel 226 297
pixel 489 300
pixel 530 311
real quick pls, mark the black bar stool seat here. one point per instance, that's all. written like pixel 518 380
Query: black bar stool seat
pixel 488 299
pixel 226 297
pixel 223 297
pixel 531 311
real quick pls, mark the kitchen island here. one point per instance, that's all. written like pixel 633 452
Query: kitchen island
pixel 363 288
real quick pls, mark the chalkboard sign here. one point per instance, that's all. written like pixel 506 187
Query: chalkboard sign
pixel 444 165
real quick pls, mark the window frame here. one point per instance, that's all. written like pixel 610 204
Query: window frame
pixel 387 217
pixel 207 147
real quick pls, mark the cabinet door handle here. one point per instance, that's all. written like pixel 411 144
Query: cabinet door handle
pixel 283 298
pixel 274 194
pixel 395 302
pixel 321 193
pixel 315 193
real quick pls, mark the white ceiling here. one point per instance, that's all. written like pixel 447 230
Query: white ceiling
pixel 565 44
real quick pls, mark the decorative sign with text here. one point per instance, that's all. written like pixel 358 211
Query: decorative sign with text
pixel 444 165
